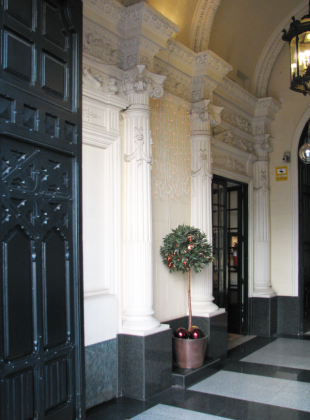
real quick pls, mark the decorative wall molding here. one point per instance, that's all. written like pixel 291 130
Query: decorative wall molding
pixel 271 51
pixel 102 44
pixel 268 105
pixel 113 10
pixel 229 137
pixel 237 92
pixel 142 12
pixel 176 82
pixel 179 50
pixel 216 63
pixel 101 117
pixel 233 115
pixel 93 81
pixel 202 23
pixel 228 162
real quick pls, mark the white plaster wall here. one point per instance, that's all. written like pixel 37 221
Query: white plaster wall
pixel 170 293
pixel 100 308
pixel 282 130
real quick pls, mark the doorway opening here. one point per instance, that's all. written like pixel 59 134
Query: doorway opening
pixel 304 238
pixel 230 249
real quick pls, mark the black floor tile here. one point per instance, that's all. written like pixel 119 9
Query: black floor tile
pixel 279 372
pixel 226 407
pixel 118 409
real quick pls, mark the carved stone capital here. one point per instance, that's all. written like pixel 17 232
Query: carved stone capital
pixel 263 146
pixel 202 116
pixel 141 81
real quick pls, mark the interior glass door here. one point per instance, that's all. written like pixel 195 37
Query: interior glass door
pixel 230 251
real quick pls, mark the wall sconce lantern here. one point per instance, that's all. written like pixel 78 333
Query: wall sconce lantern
pixel 298 36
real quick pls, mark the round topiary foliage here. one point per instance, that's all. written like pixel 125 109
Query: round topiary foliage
pixel 186 247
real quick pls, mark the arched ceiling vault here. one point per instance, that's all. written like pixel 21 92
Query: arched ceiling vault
pixel 245 33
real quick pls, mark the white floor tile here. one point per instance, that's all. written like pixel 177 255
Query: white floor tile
pixel 283 352
pixel 241 386
pixel 166 412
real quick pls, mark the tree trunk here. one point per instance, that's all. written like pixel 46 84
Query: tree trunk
pixel 189 299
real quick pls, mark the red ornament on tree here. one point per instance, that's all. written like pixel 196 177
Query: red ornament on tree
pixel 185 263
pixel 190 247
pixel 169 258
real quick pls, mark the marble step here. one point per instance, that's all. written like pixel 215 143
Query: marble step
pixel 184 378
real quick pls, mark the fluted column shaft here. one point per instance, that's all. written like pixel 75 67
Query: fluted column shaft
pixel 137 217
pixel 262 283
pixel 202 116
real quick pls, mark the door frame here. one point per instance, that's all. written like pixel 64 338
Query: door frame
pixel 244 179
pixel 295 213
pixel 245 255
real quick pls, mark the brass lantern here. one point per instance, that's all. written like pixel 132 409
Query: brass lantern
pixel 298 36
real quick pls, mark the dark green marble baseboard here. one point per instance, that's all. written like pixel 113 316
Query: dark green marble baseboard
pixel 101 372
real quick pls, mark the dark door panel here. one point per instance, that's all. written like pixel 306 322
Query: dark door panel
pixel 41 327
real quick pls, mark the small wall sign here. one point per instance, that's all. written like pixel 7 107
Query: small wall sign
pixel 281 173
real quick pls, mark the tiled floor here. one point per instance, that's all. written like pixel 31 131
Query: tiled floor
pixel 264 378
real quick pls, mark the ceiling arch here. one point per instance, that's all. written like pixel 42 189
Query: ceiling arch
pixel 202 24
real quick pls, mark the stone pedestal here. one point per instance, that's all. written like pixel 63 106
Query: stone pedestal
pixel 144 364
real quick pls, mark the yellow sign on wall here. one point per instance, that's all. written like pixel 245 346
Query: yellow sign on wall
pixel 281 173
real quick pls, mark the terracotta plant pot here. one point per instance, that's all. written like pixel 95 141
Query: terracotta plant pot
pixel 189 354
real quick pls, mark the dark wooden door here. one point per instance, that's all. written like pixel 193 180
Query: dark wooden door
pixel 304 239
pixel 41 328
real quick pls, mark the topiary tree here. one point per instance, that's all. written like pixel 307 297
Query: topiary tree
pixel 184 248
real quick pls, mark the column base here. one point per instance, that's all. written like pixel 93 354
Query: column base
pixel 203 305
pixel 144 364
pixel 139 323
pixel 160 328
pixel 208 311
pixel 266 292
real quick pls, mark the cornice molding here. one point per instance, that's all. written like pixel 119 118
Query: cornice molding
pixel 155 21
pixel 234 115
pixel 112 10
pixel 176 82
pixel 271 51
pixel 202 24
pixel 237 92
pixel 216 63
pixel 228 162
pixel 127 17
pixel 102 44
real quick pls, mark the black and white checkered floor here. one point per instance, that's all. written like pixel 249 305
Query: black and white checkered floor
pixel 264 378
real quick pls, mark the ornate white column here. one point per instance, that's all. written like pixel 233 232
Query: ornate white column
pixel 262 284
pixel 203 114
pixel 139 85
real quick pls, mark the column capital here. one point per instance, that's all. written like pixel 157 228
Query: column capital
pixel 263 146
pixel 139 85
pixel 202 115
